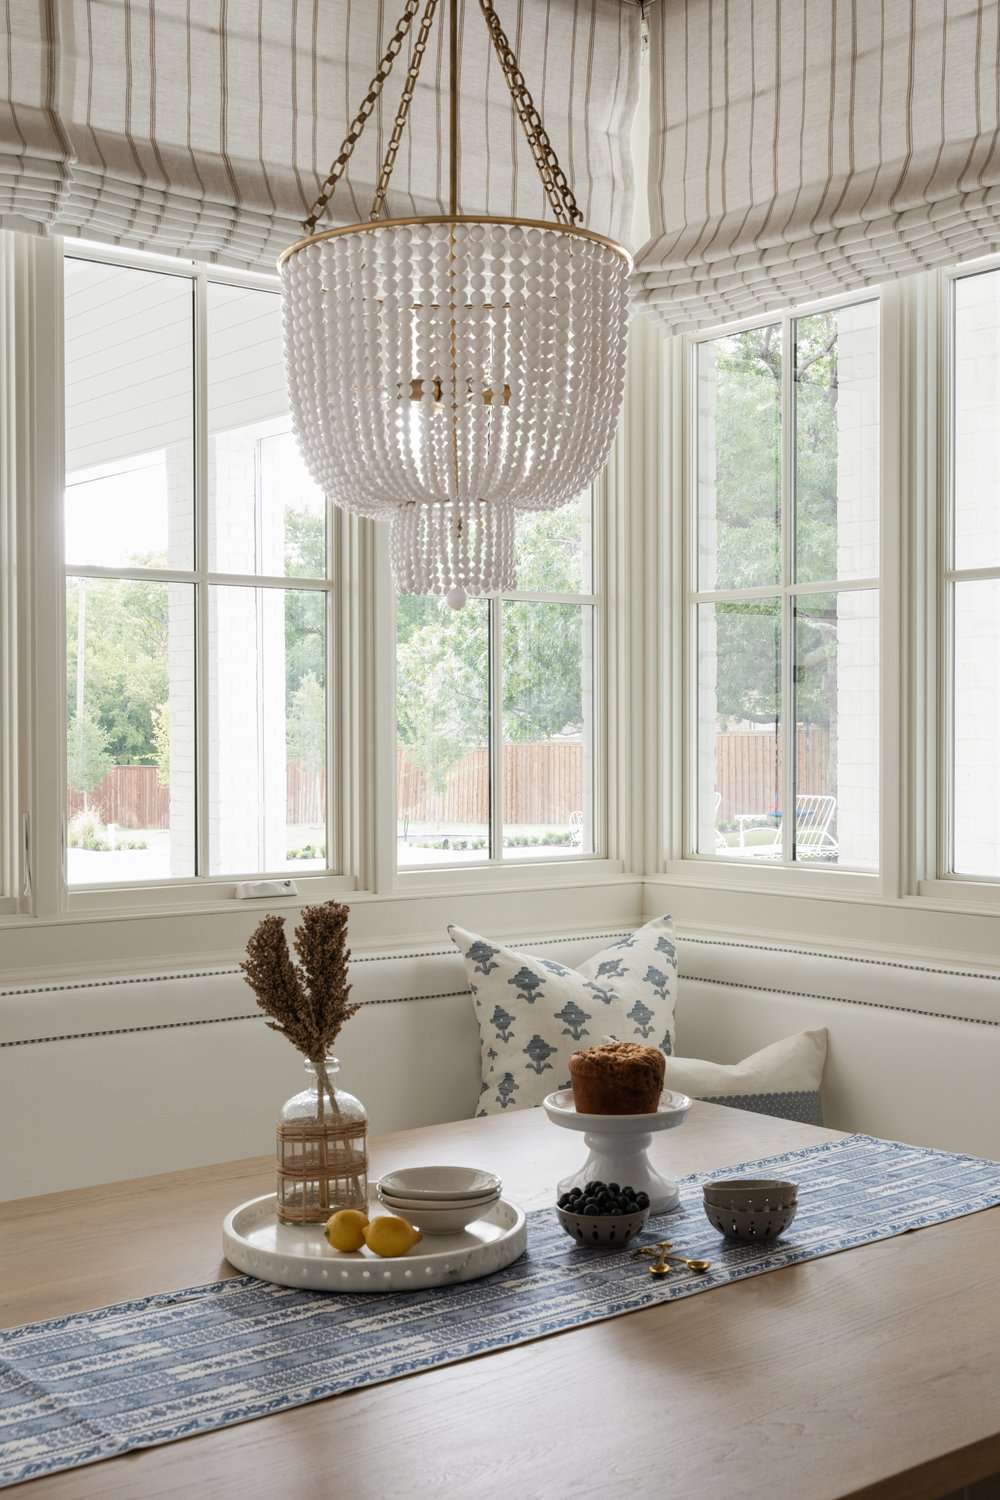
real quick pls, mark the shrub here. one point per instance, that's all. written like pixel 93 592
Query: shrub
pixel 86 831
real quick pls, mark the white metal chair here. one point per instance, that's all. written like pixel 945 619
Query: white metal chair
pixel 721 842
pixel 813 839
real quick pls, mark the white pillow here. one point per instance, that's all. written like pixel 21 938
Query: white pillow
pixel 534 1013
pixel 783 1079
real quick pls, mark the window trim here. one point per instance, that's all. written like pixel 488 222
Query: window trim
pixel 100 896
pixel 360 654
pixel 935 297
pixel 415 874
pixel 682 859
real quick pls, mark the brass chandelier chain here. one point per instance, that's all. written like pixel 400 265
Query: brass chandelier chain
pixel 557 188
pixel 399 124
pixel 360 119
pixel 554 181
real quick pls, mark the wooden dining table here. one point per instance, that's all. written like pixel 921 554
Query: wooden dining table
pixel 873 1372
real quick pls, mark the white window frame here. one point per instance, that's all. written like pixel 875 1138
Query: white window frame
pixel 361 678
pixel 595 732
pixel 936 576
pixel 682 859
pixel 47 893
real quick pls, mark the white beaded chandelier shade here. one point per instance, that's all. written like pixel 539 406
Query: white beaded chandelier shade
pixel 447 372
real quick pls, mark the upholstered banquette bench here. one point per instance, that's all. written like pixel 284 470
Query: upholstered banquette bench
pixel 115 1078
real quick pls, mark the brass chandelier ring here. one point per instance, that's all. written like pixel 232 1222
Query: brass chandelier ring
pixel 370 225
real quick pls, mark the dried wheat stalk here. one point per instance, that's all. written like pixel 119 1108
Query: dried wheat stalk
pixel 308 1002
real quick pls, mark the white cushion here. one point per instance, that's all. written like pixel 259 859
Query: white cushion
pixel 534 1013
pixel 783 1079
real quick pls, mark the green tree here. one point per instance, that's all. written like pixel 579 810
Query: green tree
pixel 747 500
pixel 88 758
pixel 125 667
pixel 442 673
pixel 161 743
pixel 442 657
pixel 307 724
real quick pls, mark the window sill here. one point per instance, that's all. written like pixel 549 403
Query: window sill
pixel 847 916
pixel 825 882
pixel 593 895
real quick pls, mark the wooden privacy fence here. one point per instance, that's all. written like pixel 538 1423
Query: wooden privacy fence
pixel 130 796
pixel 749 768
pixel 543 784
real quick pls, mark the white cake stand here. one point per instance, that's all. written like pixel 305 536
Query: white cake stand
pixel 618 1146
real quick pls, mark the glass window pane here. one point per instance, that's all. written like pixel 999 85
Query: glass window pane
pixel 130 730
pixel 266 730
pixel 739 459
pixel 129 417
pixel 837 444
pixel 977 433
pixel 548 676
pixel 442 726
pixel 977 728
pixel 265 515
pixel 836 711
pixel 739 730
pixel 552 549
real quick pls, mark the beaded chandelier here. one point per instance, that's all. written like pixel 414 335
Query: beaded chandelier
pixel 446 372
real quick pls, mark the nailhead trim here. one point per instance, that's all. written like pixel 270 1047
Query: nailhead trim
pixel 845 958
pixel 770 989
pixel 360 958
pixel 80 1036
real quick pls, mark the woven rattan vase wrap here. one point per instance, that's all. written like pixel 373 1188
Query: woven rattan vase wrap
pixel 322 1154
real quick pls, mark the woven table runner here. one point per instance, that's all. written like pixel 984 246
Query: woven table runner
pixel 97 1384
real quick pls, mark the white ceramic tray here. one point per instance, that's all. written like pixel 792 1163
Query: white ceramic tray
pixel 298 1255
pixel 618 1146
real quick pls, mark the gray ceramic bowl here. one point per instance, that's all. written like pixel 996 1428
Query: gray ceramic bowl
pixel 602 1229
pixel 751 1210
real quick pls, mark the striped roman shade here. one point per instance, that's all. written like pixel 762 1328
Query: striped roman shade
pixel 205 127
pixel 801 147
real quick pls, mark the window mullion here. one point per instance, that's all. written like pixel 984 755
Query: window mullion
pixel 40 446
pixel 201 566
pixel 496 729
pixel 787 735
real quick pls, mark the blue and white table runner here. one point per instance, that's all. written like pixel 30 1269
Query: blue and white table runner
pixel 94 1385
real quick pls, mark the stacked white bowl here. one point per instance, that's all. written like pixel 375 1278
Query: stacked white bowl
pixel 439 1200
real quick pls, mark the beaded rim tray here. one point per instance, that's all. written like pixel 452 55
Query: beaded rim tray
pixel 297 1255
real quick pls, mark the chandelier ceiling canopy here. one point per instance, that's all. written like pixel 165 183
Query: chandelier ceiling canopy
pixel 446 372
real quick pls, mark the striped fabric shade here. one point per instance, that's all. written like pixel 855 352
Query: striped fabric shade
pixel 804 147
pixel 206 129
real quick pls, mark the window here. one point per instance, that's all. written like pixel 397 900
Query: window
pixel 971 604
pixel 198 595
pixel 495 709
pixel 784 593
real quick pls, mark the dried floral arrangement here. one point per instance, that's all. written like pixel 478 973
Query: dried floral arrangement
pixel 308 1002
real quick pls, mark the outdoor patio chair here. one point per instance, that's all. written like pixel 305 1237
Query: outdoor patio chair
pixel 813 839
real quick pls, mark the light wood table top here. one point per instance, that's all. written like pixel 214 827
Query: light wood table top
pixel 875 1372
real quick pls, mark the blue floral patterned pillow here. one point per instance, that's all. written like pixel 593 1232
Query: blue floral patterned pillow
pixel 533 1012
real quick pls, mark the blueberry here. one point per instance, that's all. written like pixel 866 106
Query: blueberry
pixel 642 1199
pixel 613 1188
pixel 575 1193
pixel 564 1201
pixel 592 1187
pixel 591 1210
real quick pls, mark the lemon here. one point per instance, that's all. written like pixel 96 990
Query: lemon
pixel 389 1235
pixel 346 1230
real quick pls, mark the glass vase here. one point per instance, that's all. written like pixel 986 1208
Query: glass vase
pixel 322 1153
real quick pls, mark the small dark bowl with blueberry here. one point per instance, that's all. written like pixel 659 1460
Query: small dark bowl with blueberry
pixel 602 1213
